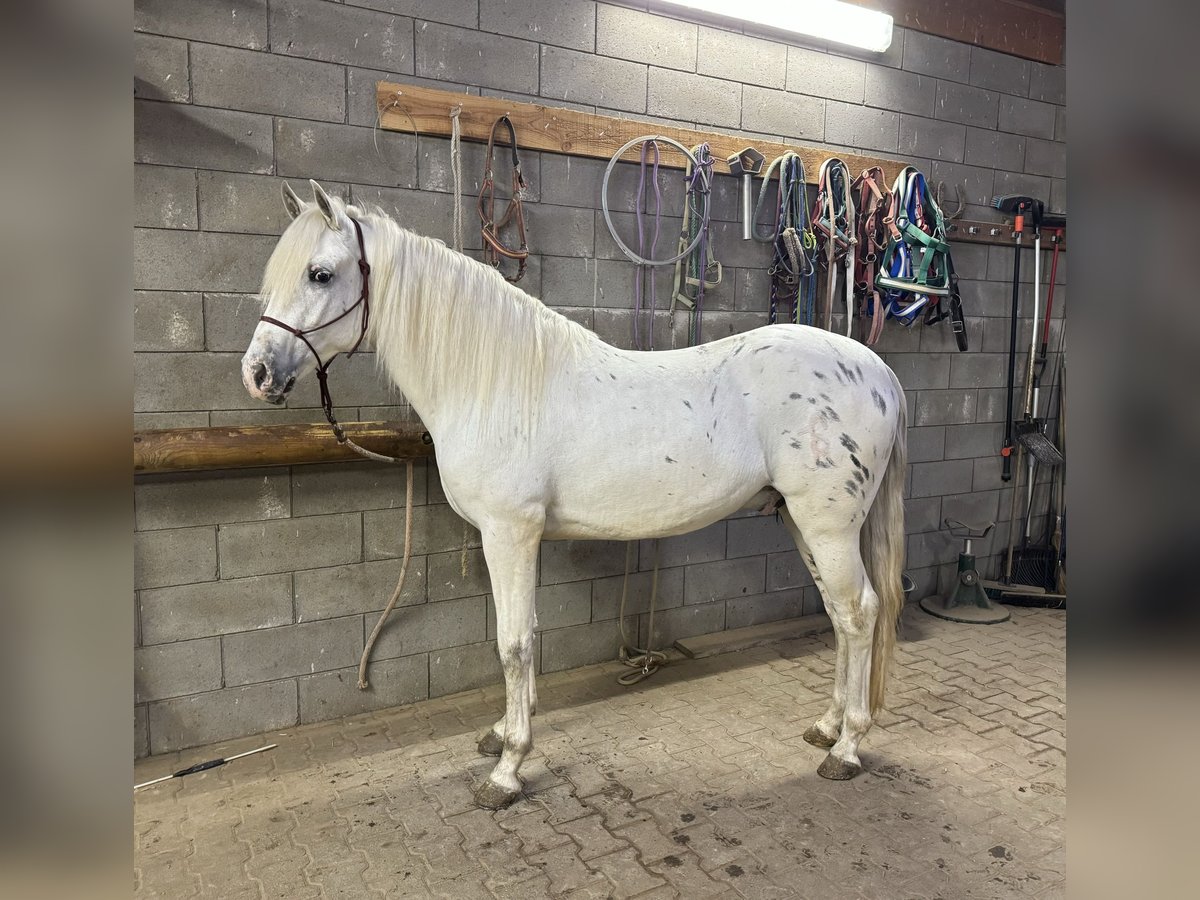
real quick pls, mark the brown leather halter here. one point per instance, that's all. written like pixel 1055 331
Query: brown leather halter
pixel 874 202
pixel 493 246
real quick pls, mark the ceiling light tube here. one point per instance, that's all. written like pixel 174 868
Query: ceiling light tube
pixel 829 20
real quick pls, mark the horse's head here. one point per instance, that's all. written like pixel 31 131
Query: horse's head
pixel 310 290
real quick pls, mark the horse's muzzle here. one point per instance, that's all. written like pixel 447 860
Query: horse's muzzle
pixel 261 383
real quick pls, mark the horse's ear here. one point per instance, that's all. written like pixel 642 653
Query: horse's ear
pixel 291 201
pixel 325 205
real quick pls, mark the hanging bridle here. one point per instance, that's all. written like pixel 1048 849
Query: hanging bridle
pixel 493 247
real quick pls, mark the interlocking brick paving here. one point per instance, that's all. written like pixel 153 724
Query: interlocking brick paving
pixel 695 783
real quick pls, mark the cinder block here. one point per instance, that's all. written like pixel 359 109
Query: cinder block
pixel 686 621
pixel 229 324
pixel 978 370
pixel 933 548
pixel 160 69
pixel 940 338
pixel 458 574
pixel 188 381
pixel 705 545
pixel 639 37
pixel 546 21
pixel 258 548
pixel 1058 195
pixel 238 23
pixel 433 626
pixel 436 528
pixel 164 197
pixel 999 71
pixel 606 594
pixel 1060 124
pixel 362 106
pixel 349 487
pixel 742 58
pixel 273 653
pixel 742 612
pixel 755 535
pixel 993 300
pixel 974 509
pixel 991 405
pixel 268 83
pixel 582 645
pixel 198 261
pixel 706 582
pixel 862 127
pixel 932 139
pixel 170 420
pixel 708 101
pixel 922 514
pixel 465 668
pixel 949 407
pixel 220 715
pixel 558 606
pixel 825 75
pixel 173 501
pixel 575 181
pixel 174 556
pixel 1045 158
pixel 787 570
pixel 936 479
pixel 900 91
pixel 340 153
pixel 926 444
pixel 586 78
pixel 1048 83
pixel 561 230
pixel 585 282
pixel 393 682
pixel 141 732
pixel 356 382
pixel 965 104
pixel 576 560
pixel 425 212
pixel 970 441
pixel 357 588
pixel 178 134
pixel 167 321
pixel 342 34
pixel 976 182
pixel 971 261
pixel 928 54
pixel 1022 183
pixel 173 670
pixel 249 203
pixel 217 607
pixel 921 371
pixel 1028 117
pixel 471 57
pixel 994 149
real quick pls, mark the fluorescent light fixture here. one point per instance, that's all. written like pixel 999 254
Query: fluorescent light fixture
pixel 829 20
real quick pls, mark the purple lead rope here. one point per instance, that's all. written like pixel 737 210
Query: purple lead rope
pixel 646 271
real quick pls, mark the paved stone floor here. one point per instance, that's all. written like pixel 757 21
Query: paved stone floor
pixel 695 783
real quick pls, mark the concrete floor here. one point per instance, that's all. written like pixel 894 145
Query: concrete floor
pixel 696 783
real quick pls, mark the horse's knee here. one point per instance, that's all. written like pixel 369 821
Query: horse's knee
pixel 515 656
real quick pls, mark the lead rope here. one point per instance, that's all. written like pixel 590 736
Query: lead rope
pixel 365 660
pixel 644 271
pixel 694 272
pixel 456 174
pixel 645 662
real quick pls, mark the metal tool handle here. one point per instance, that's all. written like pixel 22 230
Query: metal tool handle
pixel 747 206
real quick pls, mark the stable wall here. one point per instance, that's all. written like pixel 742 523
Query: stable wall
pixel 254 588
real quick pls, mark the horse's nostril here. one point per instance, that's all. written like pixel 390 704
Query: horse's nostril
pixel 259 371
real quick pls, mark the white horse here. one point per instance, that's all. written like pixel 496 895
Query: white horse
pixel 545 432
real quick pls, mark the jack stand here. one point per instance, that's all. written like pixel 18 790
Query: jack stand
pixel 967 602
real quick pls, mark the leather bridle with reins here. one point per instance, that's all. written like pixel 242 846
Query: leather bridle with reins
pixel 493 246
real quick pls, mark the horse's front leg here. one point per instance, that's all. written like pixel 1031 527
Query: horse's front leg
pixel 511 552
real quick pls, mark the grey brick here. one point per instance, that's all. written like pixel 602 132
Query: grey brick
pixel 561 230
pixel 705 545
pixel 452 12
pixel 239 23
pixel 971 260
pixel 687 621
pixel 433 626
pixel 545 21
pixel 1045 158
pixel 583 645
pixel 356 588
pixel 349 487
pixel 1058 195
pixel 975 370
pixel 558 606
pixel 754 535
pixel 826 75
pixel 928 54
pixel 584 281
pixel 977 181
pixel 999 71
pixel 1060 124
pixel 141 732
pixel 965 104
pixel 436 528
pixel 273 653
pixel 1028 117
pixel 360 382
pixel 167 321
pixel 969 441
pixel 639 37
pixel 174 556
pixel 471 57
pixel 218 607
pixel 994 149
pixel 708 101
pixel 923 514
pixel 188 381
pixel 340 153
pixel 781 113
pixel 944 407
pixel 575 181
pixel 160 68
pixel 931 549
pixel 176 134
pixel 394 682
pixel 229 322
pixel 741 58
pixel 787 570
pixel 258 548
pixel 900 91
pixel 164 197
pixel 987 477
pixel 932 139
pixel 427 213
pixel 921 371
pixel 249 203
pixel 723 579
pixel 1048 83
pixel 268 83
pixel 585 78
pixel 209 498
pixel 941 337
pixel 465 668
pixel 606 593
pixel 1021 183
pixel 221 715
pixel 342 34
pixel 363 103
pixel 198 261
pixel 447 579
pixel 744 611
pixel 170 420
pixel 575 560
pixel 862 127
pixel 172 670
pixel 991 405
pixel 940 478
pixel 973 509
pixel 926 444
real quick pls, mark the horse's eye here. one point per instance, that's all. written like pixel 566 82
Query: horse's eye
pixel 321 276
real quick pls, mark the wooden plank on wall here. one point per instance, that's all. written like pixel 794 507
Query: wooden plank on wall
pixel 406 107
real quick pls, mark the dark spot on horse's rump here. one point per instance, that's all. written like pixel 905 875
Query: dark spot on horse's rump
pixel 858 476
pixel 745 393
pixel 763 347
pixel 833 414
pixel 846 371
pixel 796 396
pixel 820 375
pixel 796 445
pixel 713 398
pixel 838 376
pixel 668 459
pixel 825 463
pixel 612 376
pixel 850 444
pixel 858 465
pixel 858 371
pixel 826 398
pixel 673 861
pixel 687 817
pixel 879 401
pixel 851 488
pixel 597 377
pixel 688 405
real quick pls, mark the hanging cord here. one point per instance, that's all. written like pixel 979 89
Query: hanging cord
pixel 793 270
pixel 692 272
pixel 456 174
pixel 645 662
pixel 365 660
pixel 644 271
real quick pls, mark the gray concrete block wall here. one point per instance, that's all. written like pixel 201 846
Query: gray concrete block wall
pixel 255 590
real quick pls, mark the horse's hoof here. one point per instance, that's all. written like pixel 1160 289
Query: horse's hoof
pixel 491 744
pixel 838 769
pixel 818 738
pixel 491 796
